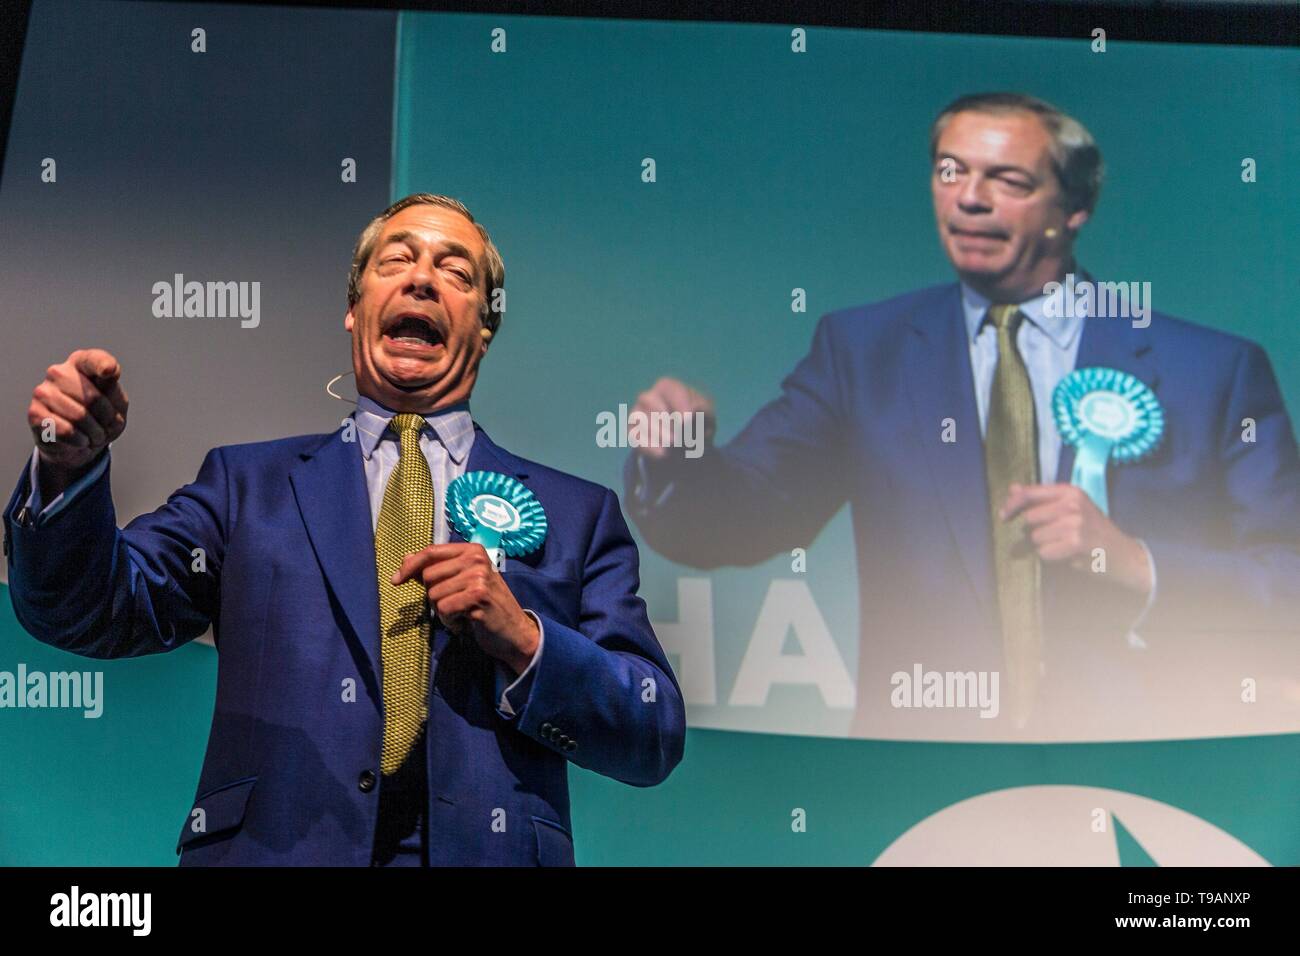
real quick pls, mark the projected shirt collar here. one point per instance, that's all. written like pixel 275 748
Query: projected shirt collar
pixel 1061 329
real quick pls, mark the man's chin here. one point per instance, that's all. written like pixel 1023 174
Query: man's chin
pixel 412 389
pixel 411 386
pixel 979 270
pixel 415 377
pixel 984 266
pixel 407 384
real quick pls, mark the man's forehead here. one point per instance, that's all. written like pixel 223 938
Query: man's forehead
pixel 431 223
pixel 1018 138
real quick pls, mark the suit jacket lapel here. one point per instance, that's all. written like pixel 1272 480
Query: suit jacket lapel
pixel 1112 343
pixel 941 386
pixel 487 455
pixel 330 487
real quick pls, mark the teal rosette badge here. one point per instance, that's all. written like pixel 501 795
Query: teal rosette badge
pixel 496 511
pixel 1107 415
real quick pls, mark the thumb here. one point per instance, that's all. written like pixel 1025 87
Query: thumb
pixel 1012 500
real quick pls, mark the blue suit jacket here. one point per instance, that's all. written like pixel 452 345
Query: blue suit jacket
pixel 861 420
pixel 290 591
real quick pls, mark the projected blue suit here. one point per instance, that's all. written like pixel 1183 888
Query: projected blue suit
pixel 862 420
pixel 289 587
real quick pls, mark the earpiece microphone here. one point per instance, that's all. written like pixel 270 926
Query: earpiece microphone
pixel 329 389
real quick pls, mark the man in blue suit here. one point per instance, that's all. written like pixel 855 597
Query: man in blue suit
pixel 385 694
pixel 931 415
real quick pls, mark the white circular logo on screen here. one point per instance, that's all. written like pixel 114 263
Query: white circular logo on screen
pixel 1064 826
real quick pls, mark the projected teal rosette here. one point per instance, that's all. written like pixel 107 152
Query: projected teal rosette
pixel 496 511
pixel 1107 415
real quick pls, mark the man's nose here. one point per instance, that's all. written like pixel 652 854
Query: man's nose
pixel 973 194
pixel 423 280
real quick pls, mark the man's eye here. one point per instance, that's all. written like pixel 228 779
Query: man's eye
pixel 392 259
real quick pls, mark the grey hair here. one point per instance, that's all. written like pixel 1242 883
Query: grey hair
pixel 365 248
pixel 1076 158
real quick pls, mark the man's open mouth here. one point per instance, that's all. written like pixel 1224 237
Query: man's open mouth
pixel 413 331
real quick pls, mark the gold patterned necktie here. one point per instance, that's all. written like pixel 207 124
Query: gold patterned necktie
pixel 1011 455
pixel 405 526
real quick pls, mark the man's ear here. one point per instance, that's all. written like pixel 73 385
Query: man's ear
pixel 349 320
pixel 1076 220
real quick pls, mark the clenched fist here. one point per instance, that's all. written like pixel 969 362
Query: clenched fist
pixel 1064 524
pixel 472 597
pixel 75 412
pixel 668 395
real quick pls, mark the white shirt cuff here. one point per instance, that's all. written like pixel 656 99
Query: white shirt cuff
pixel 503 673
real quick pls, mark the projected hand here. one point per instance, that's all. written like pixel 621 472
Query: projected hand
pixel 659 402
pixel 1063 524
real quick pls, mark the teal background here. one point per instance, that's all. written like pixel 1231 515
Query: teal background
pixel 115 791
pixel 774 171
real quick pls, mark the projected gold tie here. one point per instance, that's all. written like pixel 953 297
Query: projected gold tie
pixel 1011 454
pixel 405 526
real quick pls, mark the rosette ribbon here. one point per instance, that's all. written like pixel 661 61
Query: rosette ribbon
pixel 1107 415
pixel 496 511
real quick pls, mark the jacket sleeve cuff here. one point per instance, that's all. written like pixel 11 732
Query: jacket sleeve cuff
pixel 641 486
pixel 513 698
pixel 37 513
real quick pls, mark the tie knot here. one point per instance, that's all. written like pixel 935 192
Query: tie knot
pixel 407 422
pixel 1004 316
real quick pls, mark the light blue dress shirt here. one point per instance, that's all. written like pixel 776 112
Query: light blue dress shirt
pixel 446 443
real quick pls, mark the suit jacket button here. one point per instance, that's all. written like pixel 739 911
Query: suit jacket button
pixel 562 741
pixel 555 733
pixel 366 782
pixel 571 746
pixel 546 730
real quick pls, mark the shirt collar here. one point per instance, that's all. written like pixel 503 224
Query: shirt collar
pixel 1061 329
pixel 453 426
